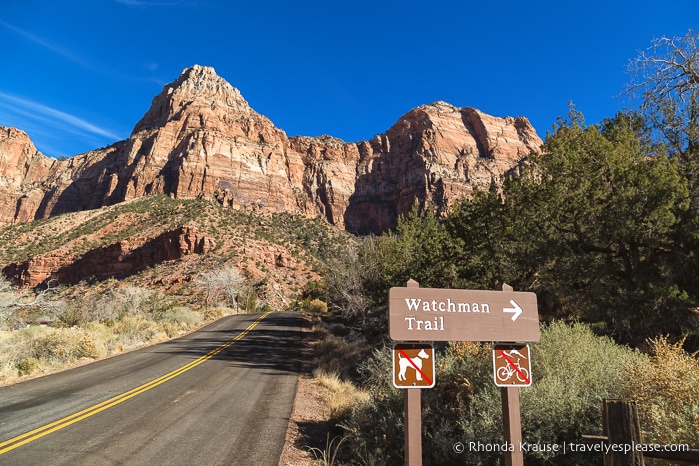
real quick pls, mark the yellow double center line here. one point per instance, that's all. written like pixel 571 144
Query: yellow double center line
pixel 25 438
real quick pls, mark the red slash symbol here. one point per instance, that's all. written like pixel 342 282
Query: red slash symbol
pixel 403 353
pixel 515 367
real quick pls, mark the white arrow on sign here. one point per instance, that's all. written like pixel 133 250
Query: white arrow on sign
pixel 516 310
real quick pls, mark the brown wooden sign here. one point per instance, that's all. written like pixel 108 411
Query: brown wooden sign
pixel 413 365
pixel 433 314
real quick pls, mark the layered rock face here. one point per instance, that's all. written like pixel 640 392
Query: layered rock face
pixel 118 259
pixel 22 168
pixel 200 138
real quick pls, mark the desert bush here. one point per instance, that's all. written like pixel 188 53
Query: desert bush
pixel 96 325
pixel 74 316
pixel 104 338
pixel 43 348
pixel 26 366
pixel 132 331
pixel 375 428
pixel 336 355
pixel 341 396
pixel 181 315
pixel 178 320
pixel 217 312
pixel 61 346
pixel 315 306
pixel 666 388
pixel 573 371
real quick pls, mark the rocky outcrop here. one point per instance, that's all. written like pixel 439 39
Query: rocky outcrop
pixel 22 169
pixel 434 155
pixel 120 259
pixel 200 138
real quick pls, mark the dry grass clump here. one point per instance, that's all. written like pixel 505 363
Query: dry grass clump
pixel 317 306
pixel 179 320
pixel 95 326
pixel 341 396
pixel 43 349
pixel 666 387
pixel 335 354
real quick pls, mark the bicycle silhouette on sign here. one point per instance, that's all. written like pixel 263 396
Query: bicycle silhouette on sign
pixel 505 373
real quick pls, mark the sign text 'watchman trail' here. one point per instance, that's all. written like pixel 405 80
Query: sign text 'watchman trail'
pixel 431 314
pixel 437 323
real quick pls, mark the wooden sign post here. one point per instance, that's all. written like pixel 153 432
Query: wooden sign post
pixel 512 426
pixel 412 410
pixel 511 420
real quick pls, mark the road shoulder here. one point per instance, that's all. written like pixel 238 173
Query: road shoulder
pixel 310 414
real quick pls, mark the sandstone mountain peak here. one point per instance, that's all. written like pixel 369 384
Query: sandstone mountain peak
pixel 201 139
pixel 197 87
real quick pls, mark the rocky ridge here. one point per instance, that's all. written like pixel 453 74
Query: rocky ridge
pixel 201 139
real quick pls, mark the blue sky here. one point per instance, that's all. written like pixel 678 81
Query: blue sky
pixel 78 74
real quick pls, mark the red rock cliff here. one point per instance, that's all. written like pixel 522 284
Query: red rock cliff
pixel 200 138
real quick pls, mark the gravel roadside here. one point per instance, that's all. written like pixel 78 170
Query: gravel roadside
pixel 309 417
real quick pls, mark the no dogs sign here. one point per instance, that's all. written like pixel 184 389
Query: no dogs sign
pixel 413 365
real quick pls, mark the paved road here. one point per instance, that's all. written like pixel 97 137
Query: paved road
pixel 222 395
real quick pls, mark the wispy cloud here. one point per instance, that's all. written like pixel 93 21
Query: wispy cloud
pixel 66 121
pixel 93 65
pixel 57 49
pixel 38 118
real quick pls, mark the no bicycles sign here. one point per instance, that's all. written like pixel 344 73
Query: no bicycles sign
pixel 512 365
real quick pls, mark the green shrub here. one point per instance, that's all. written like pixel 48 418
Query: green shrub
pixel 60 346
pixel 181 315
pixel 134 330
pixel 375 428
pixel 75 316
pixel 26 366
pixel 573 371
pixel 37 347
pixel 317 306
pixel 178 320
pixel 313 305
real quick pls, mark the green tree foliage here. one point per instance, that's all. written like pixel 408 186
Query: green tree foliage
pixel 479 229
pixel 591 227
pixel 666 79
pixel 419 249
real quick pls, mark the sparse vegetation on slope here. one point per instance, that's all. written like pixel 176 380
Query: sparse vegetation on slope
pixel 260 261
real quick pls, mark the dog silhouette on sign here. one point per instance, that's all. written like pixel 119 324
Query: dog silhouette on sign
pixel 404 363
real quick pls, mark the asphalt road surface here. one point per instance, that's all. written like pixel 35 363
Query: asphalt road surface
pixel 221 395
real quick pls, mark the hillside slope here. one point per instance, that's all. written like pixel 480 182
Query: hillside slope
pixel 156 241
